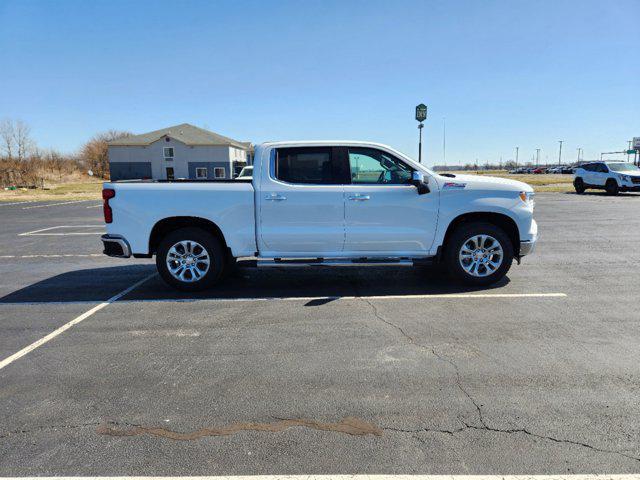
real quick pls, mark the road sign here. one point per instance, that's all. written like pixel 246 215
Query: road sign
pixel 421 113
pixel 631 152
pixel 636 141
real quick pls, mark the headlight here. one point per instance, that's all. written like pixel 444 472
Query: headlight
pixel 625 178
pixel 528 198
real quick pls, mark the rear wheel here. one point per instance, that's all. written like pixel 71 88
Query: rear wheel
pixel 190 259
pixel 611 187
pixel 578 184
pixel 478 253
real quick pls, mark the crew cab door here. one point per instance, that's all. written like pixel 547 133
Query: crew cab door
pixel 384 214
pixel 301 202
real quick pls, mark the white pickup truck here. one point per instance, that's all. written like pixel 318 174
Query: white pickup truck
pixel 323 203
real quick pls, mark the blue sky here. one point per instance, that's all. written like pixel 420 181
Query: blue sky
pixel 503 73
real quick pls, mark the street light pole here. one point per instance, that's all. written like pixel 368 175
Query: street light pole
pixel 560 153
pixel 517 148
pixel 537 157
pixel 420 127
pixel 421 116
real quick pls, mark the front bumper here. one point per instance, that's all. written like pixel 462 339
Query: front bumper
pixel 115 246
pixel 527 247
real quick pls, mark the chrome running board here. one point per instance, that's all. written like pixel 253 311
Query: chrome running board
pixel 334 262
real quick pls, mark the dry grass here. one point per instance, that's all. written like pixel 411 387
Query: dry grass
pixel 540 182
pixel 87 189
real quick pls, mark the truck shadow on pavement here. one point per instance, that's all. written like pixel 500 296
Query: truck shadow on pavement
pixel 318 284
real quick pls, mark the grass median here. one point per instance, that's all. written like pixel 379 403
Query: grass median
pixel 543 182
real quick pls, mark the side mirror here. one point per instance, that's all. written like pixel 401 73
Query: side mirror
pixel 422 184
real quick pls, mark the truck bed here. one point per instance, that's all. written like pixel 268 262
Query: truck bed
pixel 140 204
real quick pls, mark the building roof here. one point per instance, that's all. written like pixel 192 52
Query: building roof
pixel 186 133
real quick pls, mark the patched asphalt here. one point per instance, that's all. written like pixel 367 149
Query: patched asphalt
pixel 313 371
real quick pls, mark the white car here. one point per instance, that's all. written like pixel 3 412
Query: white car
pixel 613 177
pixel 323 203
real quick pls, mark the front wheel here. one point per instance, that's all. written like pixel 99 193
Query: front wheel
pixel 190 259
pixel 478 253
pixel 611 187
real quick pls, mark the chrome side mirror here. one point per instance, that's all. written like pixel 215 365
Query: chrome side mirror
pixel 421 183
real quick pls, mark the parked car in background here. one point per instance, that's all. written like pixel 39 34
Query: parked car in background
pixel 613 177
pixel 323 204
pixel 539 170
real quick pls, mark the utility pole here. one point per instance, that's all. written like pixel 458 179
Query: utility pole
pixel 421 116
pixel 630 142
pixel 537 156
pixel 578 154
pixel 560 153
pixel 444 140
pixel 517 148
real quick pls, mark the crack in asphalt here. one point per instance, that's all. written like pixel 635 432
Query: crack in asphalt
pixel 483 424
pixel 348 425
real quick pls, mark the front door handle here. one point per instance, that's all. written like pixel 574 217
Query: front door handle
pixel 359 197
pixel 275 197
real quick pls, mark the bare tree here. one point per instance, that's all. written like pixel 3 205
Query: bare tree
pixel 96 153
pixel 22 139
pixel 16 139
pixel 6 134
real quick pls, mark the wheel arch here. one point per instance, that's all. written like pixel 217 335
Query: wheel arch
pixel 500 220
pixel 170 224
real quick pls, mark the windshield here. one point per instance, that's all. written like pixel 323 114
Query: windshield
pixel 623 167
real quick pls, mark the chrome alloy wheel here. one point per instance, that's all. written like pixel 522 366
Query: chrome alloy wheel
pixel 481 255
pixel 188 261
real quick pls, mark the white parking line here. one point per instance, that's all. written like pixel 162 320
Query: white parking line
pixel 54 255
pixel 47 231
pixel 3 204
pixel 55 204
pixel 94 206
pixel 70 324
pixel 600 476
pixel 306 299
pixel 443 296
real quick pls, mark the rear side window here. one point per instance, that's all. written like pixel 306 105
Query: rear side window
pixel 308 165
pixel 589 167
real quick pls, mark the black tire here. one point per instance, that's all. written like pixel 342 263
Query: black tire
pixel 460 236
pixel 578 184
pixel 611 187
pixel 208 242
pixel 230 265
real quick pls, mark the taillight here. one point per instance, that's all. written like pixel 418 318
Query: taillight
pixel 107 193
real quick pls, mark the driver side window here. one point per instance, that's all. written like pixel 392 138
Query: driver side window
pixel 370 166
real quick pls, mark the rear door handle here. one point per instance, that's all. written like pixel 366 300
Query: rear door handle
pixel 359 197
pixel 275 197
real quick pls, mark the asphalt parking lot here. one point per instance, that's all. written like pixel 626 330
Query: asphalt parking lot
pixel 323 370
